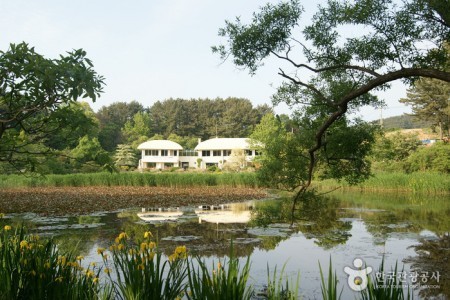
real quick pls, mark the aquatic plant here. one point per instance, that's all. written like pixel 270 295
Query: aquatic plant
pixel 32 268
pixel 226 281
pixel 141 271
pixel 330 288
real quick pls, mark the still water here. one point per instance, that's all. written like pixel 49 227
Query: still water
pixel 343 227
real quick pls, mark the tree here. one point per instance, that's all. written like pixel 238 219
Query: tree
pixel 89 156
pixel 429 99
pixel 35 93
pixel 125 157
pixel 137 130
pixel 112 119
pixel 334 74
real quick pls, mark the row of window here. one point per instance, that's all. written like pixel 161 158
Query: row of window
pixel 193 153
pixel 163 153
pixel 225 152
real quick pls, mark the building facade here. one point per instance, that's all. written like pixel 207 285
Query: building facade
pixel 163 154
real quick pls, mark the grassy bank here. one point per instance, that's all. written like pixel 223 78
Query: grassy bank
pixel 133 179
pixel 432 183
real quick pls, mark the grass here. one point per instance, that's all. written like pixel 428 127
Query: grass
pixel 430 183
pixel 246 179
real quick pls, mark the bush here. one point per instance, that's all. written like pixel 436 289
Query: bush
pixel 434 158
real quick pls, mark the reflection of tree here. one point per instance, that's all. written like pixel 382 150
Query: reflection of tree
pixel 433 256
pixel 317 218
pixel 326 227
pixel 210 239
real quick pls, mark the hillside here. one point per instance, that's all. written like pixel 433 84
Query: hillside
pixel 403 122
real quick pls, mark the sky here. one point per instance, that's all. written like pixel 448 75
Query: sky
pixel 150 50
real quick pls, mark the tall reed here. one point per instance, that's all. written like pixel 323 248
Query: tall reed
pixel 133 179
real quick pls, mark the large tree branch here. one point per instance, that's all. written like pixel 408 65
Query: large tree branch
pixel 330 68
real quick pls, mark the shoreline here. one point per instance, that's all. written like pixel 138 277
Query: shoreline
pixel 58 201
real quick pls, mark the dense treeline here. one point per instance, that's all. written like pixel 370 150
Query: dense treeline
pixel 123 122
pixel 89 141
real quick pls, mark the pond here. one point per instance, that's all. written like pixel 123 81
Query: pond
pixel 342 226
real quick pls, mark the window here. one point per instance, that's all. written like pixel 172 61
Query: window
pixel 206 153
pixel 168 165
pixel 175 152
pixel 248 152
pixel 226 152
pixel 217 153
pixel 164 152
pixel 257 153
pixel 151 165
pixel 151 152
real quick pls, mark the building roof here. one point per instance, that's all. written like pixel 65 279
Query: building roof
pixel 160 145
pixel 223 143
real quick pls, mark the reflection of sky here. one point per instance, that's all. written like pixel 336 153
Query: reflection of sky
pixel 301 254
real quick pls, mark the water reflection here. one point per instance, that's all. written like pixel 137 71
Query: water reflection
pixel 344 226
pixel 160 214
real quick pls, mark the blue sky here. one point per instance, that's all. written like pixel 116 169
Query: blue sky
pixel 153 50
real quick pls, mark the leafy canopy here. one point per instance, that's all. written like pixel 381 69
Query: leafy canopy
pixel 332 66
pixel 35 98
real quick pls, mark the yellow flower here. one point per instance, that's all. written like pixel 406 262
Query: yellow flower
pixel 147 235
pixel 151 255
pixel 151 245
pixel 89 274
pixel 23 244
pixel 7 227
pixel 173 257
pixel 140 267
pixel 59 279
pixel 144 246
pixel 62 260
pixel 80 257
pixel 47 265
pixel 121 247
pixel 219 266
pixel 95 280
pixel 180 250
pixel 107 270
pixel 100 250
pixel 122 236
pixel 112 248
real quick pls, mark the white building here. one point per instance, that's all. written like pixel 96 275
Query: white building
pixel 162 154
pixel 159 154
pixel 217 151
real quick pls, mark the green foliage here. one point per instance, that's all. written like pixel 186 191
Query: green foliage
pixel 205 118
pixel 392 149
pixel 112 119
pixel 142 272
pixel 429 99
pixel 285 160
pixel 167 179
pixel 137 130
pixel 88 155
pixel 379 288
pixel 125 156
pixel 228 281
pixel 37 97
pixel 340 72
pixel 275 288
pixel 32 268
pixel 433 158
pixel 330 286
pixel 418 182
